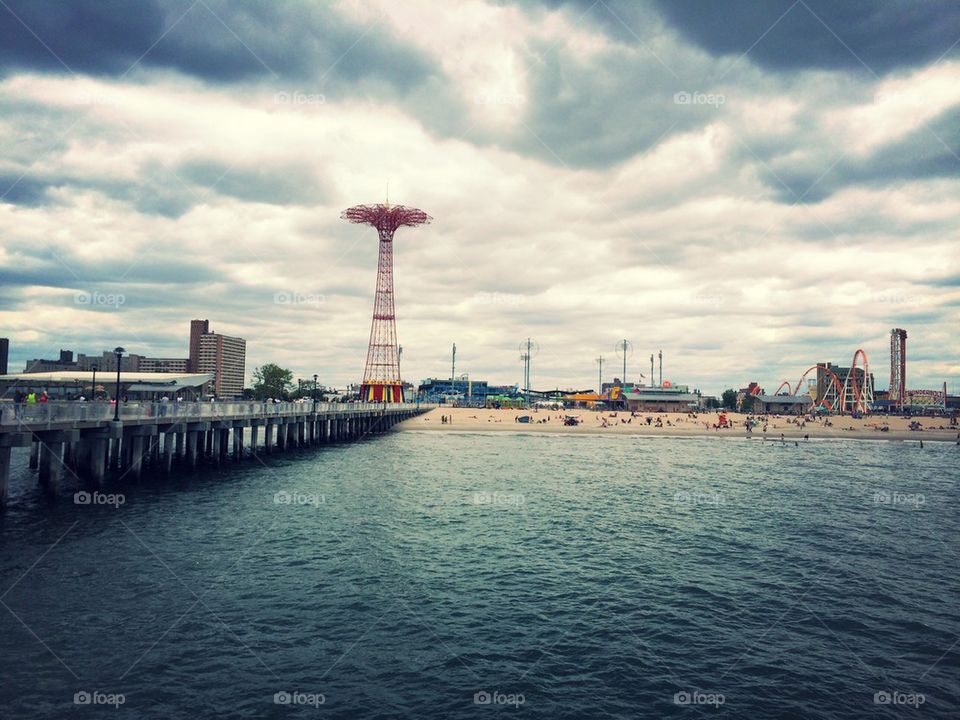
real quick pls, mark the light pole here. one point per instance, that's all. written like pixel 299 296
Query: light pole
pixel 314 388
pixel 600 375
pixel 93 389
pixel 118 351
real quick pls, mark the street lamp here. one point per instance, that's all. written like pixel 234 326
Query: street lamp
pixel 118 351
pixel 314 387
pixel 93 390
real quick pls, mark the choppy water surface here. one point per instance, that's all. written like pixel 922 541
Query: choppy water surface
pixel 454 576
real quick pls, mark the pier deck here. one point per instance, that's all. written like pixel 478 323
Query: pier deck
pixel 83 440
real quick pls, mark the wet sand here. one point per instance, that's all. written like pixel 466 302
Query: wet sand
pixel 679 424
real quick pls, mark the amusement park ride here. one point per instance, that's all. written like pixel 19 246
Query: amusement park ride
pixel 381 376
pixel 854 392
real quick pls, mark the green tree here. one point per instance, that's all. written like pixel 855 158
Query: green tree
pixel 729 399
pixel 271 381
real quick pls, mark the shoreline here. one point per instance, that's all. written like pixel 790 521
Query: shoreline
pixel 679 425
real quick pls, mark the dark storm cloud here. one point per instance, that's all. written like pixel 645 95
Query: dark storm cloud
pixel 214 40
pixel 602 111
pixel 171 192
pixel 948 281
pixel 23 190
pixel 798 34
pixel 786 35
pixel 928 152
pixel 37 265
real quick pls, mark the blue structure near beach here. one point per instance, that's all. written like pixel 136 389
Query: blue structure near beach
pixel 463 389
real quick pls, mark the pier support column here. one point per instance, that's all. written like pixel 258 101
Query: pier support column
pixel 51 457
pixel 254 429
pixel 8 441
pixel 139 439
pixel 136 456
pixel 154 451
pixel 194 437
pixel 180 441
pixel 4 476
pixel 237 442
pixel 99 454
pixel 166 464
pixel 114 453
pixel 34 455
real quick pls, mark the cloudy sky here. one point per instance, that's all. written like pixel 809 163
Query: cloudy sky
pixel 751 186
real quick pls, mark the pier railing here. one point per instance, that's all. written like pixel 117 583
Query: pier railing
pixel 82 412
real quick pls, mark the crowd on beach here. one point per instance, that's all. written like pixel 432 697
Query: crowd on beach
pixel 720 421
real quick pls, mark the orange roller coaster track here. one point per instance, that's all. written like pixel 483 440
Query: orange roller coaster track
pixel 834 382
pixel 861 401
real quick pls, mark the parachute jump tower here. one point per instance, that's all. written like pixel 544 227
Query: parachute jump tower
pixel 381 376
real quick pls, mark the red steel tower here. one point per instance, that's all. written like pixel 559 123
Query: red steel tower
pixel 381 377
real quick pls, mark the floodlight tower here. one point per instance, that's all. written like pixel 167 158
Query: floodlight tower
pixel 381 376
pixel 528 349
pixel 624 348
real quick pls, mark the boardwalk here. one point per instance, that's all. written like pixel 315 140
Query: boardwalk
pixel 82 440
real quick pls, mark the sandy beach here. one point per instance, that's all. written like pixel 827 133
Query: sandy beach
pixel 679 424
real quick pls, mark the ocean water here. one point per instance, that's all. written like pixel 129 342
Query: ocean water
pixel 429 575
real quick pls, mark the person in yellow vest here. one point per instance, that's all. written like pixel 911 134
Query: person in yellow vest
pixel 31 398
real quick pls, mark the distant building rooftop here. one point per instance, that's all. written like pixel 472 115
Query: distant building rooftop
pixel 71 377
pixel 785 399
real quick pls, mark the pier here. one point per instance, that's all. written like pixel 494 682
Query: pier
pixel 82 439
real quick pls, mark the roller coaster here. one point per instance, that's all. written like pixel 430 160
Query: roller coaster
pixel 849 395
